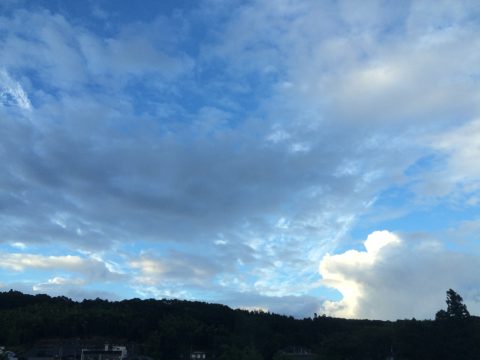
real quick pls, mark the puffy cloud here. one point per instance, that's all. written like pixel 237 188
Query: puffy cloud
pixel 398 278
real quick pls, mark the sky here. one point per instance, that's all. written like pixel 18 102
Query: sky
pixel 292 156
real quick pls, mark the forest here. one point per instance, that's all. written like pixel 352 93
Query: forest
pixel 169 329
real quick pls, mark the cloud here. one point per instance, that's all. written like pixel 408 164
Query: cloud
pixel 255 142
pixel 457 174
pixel 397 277
pixel 138 50
pixel 56 282
pixel 19 245
pixel 175 270
pixel 72 288
pixel 69 58
pixel 11 92
pixel 92 269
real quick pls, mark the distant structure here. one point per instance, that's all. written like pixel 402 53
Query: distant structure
pixel 198 355
pixel 296 353
pixel 108 353
pixel 10 355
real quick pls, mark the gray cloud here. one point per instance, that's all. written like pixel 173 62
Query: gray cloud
pixel 93 269
pixel 176 270
pixel 115 151
pixel 399 278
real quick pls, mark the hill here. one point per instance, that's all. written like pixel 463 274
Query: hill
pixel 169 329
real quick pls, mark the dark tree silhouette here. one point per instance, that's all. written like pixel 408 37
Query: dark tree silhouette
pixel 456 309
pixel 171 329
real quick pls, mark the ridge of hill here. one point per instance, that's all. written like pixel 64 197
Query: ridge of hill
pixel 168 329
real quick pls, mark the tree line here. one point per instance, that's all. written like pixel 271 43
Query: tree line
pixel 169 329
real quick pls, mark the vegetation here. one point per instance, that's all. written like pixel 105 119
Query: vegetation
pixel 456 309
pixel 168 329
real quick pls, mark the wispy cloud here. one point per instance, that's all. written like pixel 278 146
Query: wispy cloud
pixel 12 93
pixel 230 158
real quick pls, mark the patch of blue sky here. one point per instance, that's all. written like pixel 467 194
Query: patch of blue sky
pixel 31 248
pixel 13 247
pixel 27 276
pixel 180 101
pixel 213 85
pixel 113 290
pixel 150 99
pixel 147 10
pixel 423 164
pixel 323 292
pixel 411 218
pixel 397 209
pixel 35 83
pixel 139 246
pixel 103 16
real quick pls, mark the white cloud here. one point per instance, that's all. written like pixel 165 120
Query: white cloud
pixel 20 262
pixel 336 271
pixel 19 245
pixel 12 91
pixel 57 282
pixel 460 172
pixel 397 278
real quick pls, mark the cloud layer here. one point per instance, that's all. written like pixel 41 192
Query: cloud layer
pixel 223 162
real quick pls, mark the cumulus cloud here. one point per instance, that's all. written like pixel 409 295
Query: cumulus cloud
pixel 398 277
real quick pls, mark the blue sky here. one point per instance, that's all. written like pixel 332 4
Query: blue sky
pixel 294 156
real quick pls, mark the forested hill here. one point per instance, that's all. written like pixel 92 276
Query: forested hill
pixel 168 329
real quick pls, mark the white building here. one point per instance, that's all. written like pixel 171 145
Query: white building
pixel 198 355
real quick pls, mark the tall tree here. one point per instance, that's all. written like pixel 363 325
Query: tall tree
pixel 456 309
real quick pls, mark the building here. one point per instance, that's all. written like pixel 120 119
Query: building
pixel 107 353
pixel 296 353
pixel 198 355
pixel 10 355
